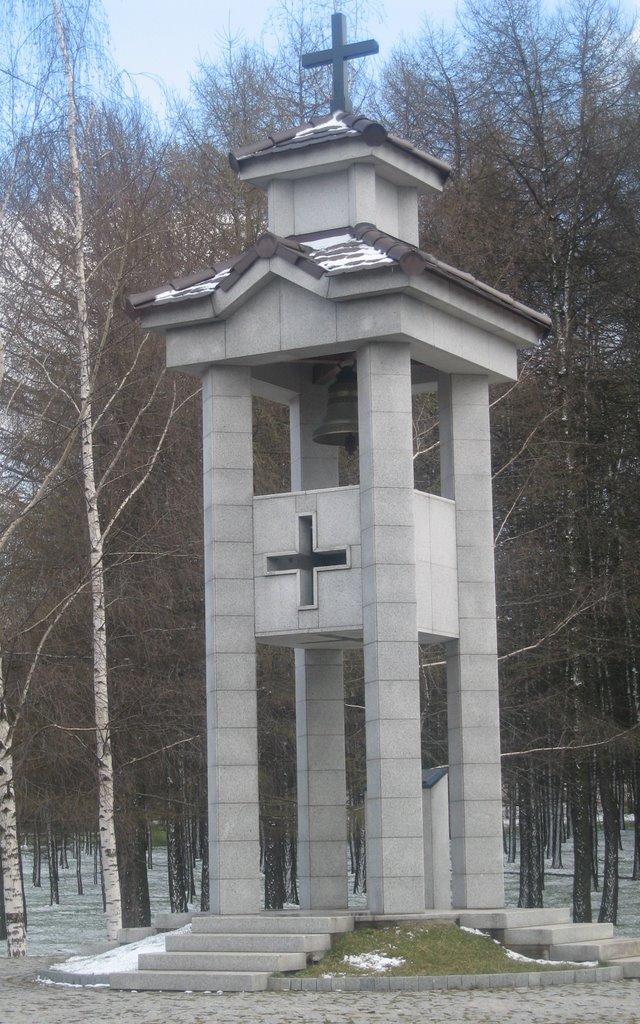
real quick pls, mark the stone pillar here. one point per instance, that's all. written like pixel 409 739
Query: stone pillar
pixel 472 665
pixel 320 743
pixel 437 861
pixel 312 465
pixel 395 865
pixel 232 733
pixel 322 818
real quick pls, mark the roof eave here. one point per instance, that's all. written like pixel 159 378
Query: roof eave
pixel 521 326
pixel 178 312
pixel 400 165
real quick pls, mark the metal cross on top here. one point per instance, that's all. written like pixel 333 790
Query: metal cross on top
pixel 340 52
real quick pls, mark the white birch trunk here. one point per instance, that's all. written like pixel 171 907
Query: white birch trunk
pixel 9 848
pixel 106 823
pixel 9 845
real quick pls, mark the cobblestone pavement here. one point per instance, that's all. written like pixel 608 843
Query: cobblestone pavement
pixel 24 1001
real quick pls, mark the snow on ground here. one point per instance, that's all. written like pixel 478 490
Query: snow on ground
pixel 77 923
pixel 121 958
pixel 512 955
pixel 373 961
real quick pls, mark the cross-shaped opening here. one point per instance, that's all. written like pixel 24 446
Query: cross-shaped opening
pixel 306 560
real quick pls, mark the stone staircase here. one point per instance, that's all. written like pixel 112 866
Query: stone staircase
pixel 238 953
pixel 234 953
pixel 550 934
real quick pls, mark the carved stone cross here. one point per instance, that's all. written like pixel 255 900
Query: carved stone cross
pixel 307 560
pixel 340 52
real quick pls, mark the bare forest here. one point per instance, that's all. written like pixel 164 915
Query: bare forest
pixel 102 718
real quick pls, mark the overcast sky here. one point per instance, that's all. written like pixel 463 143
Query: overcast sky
pixel 158 39
pixel 162 40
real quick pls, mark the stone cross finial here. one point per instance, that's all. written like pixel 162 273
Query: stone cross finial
pixel 340 52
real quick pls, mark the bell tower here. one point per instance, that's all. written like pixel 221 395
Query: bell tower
pixel 337 290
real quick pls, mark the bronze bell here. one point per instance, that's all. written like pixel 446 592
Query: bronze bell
pixel 340 423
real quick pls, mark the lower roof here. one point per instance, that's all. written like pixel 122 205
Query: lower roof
pixel 337 252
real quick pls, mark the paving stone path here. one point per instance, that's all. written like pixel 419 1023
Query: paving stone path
pixel 24 1001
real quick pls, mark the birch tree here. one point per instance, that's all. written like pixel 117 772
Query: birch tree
pixel 20 103
pixel 85 389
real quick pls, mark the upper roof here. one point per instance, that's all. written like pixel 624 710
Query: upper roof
pixel 330 129
pixel 344 285
pixel 349 250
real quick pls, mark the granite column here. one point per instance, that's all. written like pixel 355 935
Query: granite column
pixel 395 864
pixel 472 664
pixel 234 847
pixel 320 741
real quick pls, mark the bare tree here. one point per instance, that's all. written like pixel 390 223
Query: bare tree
pixel 83 390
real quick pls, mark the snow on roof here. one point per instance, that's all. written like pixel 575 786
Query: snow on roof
pixel 334 253
pixel 338 125
pixel 346 250
pixel 333 125
pixel 323 129
pixel 195 291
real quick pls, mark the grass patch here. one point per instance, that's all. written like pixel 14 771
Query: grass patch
pixel 428 949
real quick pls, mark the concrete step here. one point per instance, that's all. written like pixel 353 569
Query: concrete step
pixel 604 950
pixel 514 917
pixel 275 923
pixel 189 981
pixel 630 965
pixel 128 935
pixel 233 953
pixel 238 961
pixel 556 934
pixel 168 922
pixel 241 942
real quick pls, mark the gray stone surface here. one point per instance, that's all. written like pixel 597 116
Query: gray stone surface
pixel 365 193
pixel 472 667
pixel 436 572
pixel 603 950
pixel 313 465
pixel 234 852
pixel 492 920
pixel 554 934
pixel 24 1001
pixel 395 859
pixel 415 567
pixel 273 922
pixel 281 615
pixel 322 820
pixel 437 864
pixel 181 981
pixel 226 960
pixel 247 942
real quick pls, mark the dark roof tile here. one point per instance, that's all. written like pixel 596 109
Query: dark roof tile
pixel 245 260
pixel 326 129
pixel 139 299
pixel 411 262
pixel 267 245
pixel 289 253
pixel 227 283
pixel 341 251
pixel 194 278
